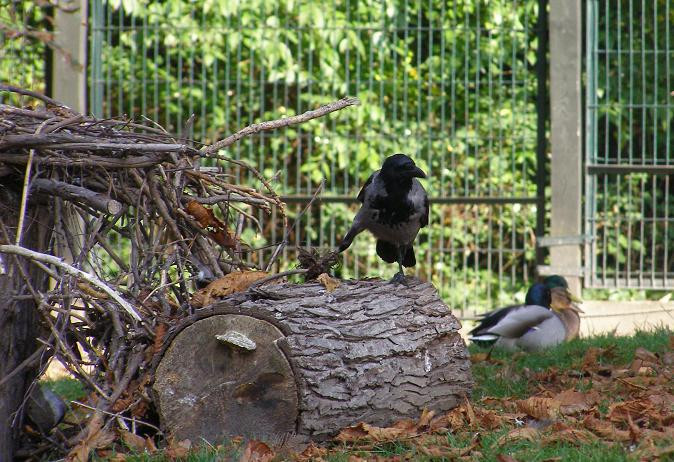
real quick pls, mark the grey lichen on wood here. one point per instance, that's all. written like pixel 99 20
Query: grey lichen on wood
pixel 237 339
pixel 369 351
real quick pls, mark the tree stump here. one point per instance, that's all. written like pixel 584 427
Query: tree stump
pixel 298 359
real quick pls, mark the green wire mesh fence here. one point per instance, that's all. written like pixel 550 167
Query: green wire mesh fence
pixel 630 144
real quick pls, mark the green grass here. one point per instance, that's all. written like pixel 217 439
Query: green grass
pixel 511 376
pixel 67 388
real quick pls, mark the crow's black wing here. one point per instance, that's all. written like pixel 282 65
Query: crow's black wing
pixel 361 194
pixel 425 216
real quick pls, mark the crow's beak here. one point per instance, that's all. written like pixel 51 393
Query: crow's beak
pixel 418 173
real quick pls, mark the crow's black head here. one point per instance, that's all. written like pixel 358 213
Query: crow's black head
pixel 399 167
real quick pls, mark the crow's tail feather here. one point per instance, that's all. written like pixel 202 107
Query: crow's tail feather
pixel 387 251
pixel 348 238
pixel 409 259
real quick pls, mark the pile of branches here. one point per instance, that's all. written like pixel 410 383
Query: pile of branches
pixel 139 218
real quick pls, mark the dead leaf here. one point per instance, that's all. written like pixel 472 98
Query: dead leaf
pixel 133 441
pixel 312 453
pixel 363 431
pixel 539 408
pixel 329 283
pixel 216 229
pixel 605 429
pixel 159 335
pixel 489 420
pixel 425 418
pixel 505 458
pixel 178 450
pixel 638 408
pixel 519 434
pixel 478 357
pixel 96 437
pixel 257 451
pixel 571 436
pixel 237 281
pixel 470 413
pixel 355 458
pixel 645 355
pixel 573 402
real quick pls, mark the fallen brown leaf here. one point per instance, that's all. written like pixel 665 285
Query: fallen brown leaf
pixel 363 431
pixel 215 228
pixel 605 429
pixel 96 437
pixel 573 402
pixel 645 355
pixel 178 449
pixel 237 281
pixel 329 283
pixel 133 441
pixel 425 418
pixel 355 458
pixel 478 357
pixel 505 458
pixel 257 451
pixel 539 408
pixel 312 453
pixel 519 434
pixel 570 435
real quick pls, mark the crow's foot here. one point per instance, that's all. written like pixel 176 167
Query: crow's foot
pixel 399 278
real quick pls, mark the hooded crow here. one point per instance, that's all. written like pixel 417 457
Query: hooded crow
pixel 395 207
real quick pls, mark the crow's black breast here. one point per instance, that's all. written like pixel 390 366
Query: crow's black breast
pixel 393 213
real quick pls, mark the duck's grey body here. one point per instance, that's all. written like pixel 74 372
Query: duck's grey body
pixel 528 327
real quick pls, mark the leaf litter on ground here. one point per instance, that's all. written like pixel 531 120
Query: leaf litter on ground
pixel 580 396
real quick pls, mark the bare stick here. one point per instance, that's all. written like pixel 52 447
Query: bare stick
pixel 280 123
pixel 33 94
pixel 96 201
pixel 24 198
pixel 17 250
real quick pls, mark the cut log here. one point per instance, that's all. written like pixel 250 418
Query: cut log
pixel 299 359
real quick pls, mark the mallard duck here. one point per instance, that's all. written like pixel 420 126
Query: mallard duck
pixel 548 317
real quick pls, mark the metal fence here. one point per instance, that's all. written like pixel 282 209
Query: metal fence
pixel 629 193
pixel 452 83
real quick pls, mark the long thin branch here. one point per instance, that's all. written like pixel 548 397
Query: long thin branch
pixel 22 91
pixel 280 123
pixel 22 251
pixel 70 192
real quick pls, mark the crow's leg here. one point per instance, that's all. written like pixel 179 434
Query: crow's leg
pixel 399 277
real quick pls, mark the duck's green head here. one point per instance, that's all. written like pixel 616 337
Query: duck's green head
pixel 538 294
pixel 561 296
pixel 555 281
pixel 559 283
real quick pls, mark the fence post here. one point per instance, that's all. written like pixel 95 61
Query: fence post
pixel 566 136
pixel 69 81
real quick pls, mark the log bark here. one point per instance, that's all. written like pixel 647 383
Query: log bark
pixel 369 351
